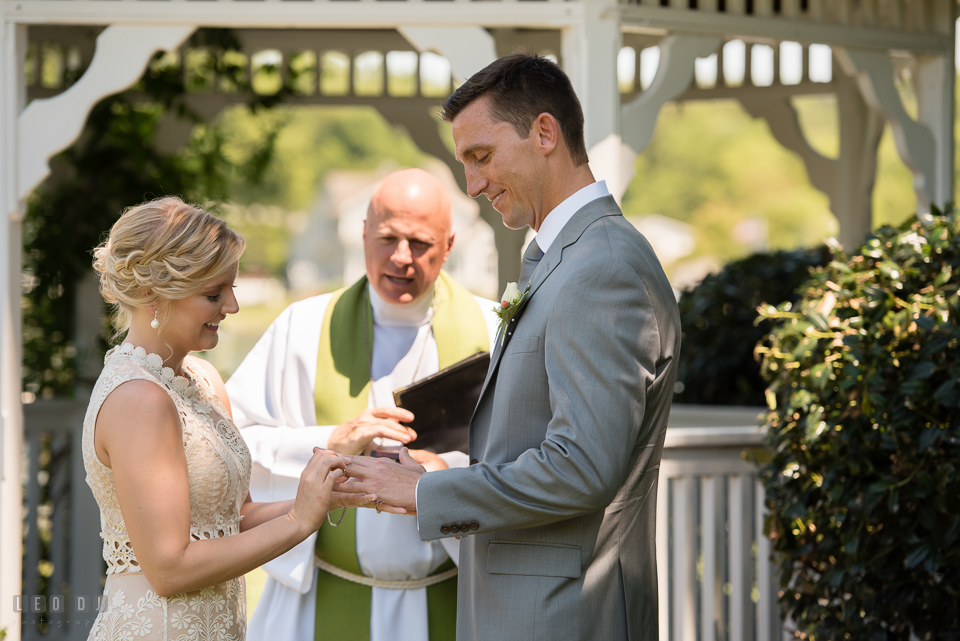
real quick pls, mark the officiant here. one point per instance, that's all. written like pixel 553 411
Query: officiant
pixel 323 375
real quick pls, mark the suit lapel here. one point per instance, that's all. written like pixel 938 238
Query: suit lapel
pixel 570 234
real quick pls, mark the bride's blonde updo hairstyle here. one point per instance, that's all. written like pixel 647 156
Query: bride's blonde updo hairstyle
pixel 161 251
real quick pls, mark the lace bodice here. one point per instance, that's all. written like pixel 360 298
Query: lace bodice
pixel 218 473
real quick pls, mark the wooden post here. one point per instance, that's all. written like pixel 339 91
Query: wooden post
pixel 13 51
pixel 711 591
pixel 934 79
pixel 916 142
pixel 589 55
pixel 741 563
pixel 684 575
pixel 664 580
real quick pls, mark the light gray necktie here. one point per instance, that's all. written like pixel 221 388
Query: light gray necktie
pixel 531 258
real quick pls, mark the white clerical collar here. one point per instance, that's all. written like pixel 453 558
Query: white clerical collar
pixel 410 315
pixel 562 213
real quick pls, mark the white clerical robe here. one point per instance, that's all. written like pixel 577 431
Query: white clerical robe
pixel 272 397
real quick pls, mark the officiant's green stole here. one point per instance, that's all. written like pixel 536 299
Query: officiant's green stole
pixel 343 391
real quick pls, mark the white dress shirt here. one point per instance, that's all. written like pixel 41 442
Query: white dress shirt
pixel 557 219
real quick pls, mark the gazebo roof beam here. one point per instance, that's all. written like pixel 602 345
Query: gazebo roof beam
pixel 354 40
pixel 298 15
pixel 660 20
pixel 210 104
pixel 66 35
pixel 774 92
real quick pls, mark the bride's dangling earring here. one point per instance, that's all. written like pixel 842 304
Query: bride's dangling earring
pixel 155 323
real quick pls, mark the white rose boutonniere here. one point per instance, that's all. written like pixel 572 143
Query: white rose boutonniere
pixel 509 304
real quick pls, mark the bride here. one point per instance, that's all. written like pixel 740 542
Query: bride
pixel 163 458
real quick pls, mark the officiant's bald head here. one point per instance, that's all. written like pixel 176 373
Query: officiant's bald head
pixel 407 236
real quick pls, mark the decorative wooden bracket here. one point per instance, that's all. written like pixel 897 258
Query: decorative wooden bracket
pixel 675 73
pixel 784 124
pixel 848 180
pixel 873 72
pixel 50 125
pixel 469 49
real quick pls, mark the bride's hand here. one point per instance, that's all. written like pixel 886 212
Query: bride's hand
pixel 314 498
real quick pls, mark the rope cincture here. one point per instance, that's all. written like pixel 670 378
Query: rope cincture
pixel 410 584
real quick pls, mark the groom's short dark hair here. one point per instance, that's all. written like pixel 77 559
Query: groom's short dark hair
pixel 521 87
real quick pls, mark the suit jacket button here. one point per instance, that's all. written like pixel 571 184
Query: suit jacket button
pixel 474 525
pixel 464 527
pixel 444 529
pixel 454 528
pixel 473 461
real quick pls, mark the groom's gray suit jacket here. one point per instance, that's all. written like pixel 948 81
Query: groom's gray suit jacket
pixel 558 513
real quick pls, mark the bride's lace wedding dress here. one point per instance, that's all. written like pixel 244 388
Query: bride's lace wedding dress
pixel 218 470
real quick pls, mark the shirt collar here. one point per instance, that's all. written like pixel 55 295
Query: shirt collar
pixel 562 213
pixel 412 314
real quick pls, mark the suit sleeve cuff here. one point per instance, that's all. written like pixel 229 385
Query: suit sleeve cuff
pixel 416 500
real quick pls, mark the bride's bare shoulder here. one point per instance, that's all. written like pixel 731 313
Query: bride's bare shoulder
pixel 137 408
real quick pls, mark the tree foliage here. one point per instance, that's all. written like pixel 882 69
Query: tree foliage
pixel 864 375
pixel 718 318
pixel 312 142
pixel 711 165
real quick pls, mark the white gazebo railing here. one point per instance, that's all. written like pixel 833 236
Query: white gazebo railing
pixel 62 549
pixel 715 579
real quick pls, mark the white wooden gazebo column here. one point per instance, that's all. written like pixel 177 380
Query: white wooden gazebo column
pixel 934 79
pixel 589 52
pixel 13 50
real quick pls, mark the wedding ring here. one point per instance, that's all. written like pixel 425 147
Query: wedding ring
pixel 377 506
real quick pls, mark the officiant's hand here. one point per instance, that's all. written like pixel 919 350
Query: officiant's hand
pixel 394 484
pixel 354 436
pixel 430 461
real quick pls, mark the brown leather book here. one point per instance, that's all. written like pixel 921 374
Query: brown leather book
pixel 443 404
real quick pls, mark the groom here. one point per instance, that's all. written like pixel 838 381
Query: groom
pixel 557 509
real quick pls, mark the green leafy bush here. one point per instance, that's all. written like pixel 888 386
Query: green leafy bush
pixel 863 485
pixel 717 366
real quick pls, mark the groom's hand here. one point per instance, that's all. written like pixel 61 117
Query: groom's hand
pixel 396 484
